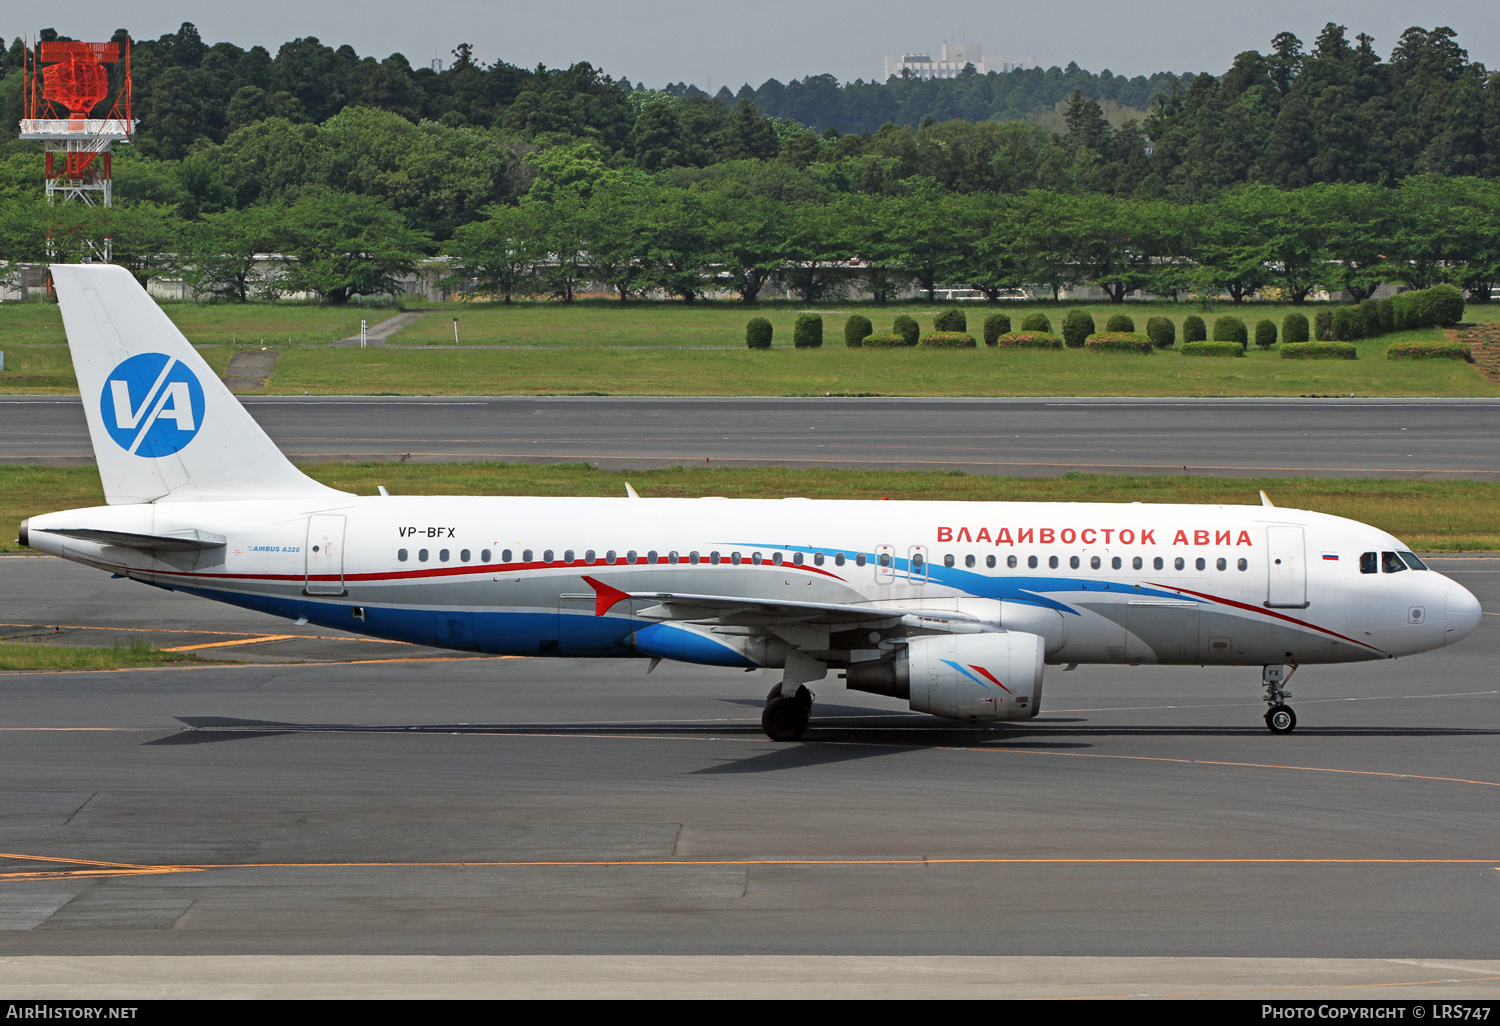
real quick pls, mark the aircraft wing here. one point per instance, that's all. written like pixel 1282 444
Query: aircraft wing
pixel 744 611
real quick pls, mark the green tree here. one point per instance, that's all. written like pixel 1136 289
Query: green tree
pixel 343 245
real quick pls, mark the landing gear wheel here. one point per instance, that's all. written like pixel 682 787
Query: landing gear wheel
pixel 1280 719
pixel 785 719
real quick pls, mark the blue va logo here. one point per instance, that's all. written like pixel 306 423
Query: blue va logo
pixel 152 405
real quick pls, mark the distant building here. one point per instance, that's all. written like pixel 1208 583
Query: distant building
pixel 953 61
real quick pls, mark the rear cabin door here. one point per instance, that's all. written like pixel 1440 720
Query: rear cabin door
pixel 1286 554
pixel 325 555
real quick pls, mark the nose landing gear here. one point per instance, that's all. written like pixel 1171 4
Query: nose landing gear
pixel 785 716
pixel 1280 719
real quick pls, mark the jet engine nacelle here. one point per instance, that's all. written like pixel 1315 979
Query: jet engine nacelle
pixel 974 677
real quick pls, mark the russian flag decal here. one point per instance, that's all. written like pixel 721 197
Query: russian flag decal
pixel 1331 556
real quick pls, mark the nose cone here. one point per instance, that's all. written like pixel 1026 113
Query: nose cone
pixel 1464 613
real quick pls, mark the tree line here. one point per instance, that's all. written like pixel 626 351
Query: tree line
pixel 743 225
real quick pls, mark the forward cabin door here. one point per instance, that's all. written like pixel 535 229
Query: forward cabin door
pixel 1286 553
pixel 325 555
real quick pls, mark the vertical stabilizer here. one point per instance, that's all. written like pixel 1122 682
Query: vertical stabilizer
pixel 164 427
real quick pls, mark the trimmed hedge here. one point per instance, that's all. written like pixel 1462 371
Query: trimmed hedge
pixel 808 331
pixel 1118 323
pixel 1323 326
pixel 1430 351
pixel 948 340
pixel 1423 308
pixel 1231 329
pixel 883 340
pixel 1212 349
pixel 1265 333
pixel 1162 332
pixel 1294 328
pixel 1119 342
pixel 907 328
pixel 1319 351
pixel 950 320
pixel 1029 340
pixel 1077 326
pixel 856 328
pixel 1036 322
pixel 758 333
pixel 1194 330
pixel 995 325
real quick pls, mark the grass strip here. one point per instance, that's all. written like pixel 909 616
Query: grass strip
pixel 33 655
pixel 1428 515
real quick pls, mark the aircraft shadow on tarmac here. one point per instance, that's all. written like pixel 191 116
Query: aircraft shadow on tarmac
pixel 838 741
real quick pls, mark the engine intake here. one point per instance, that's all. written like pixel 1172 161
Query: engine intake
pixel 973 677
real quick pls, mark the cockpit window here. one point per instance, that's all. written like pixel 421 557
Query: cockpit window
pixel 1412 561
pixel 1391 563
pixel 1369 563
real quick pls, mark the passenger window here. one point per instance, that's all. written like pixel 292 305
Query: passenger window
pixel 1179 563
pixel 838 559
pixel 1412 561
pixel 818 558
pixel 969 561
pixel 1052 562
pixel 651 557
pixel 1031 562
pixel 1137 563
pixel 916 561
pixel 442 555
pixel 693 558
pixel 1157 563
pixel 1244 563
pixel 885 559
pixel 421 555
pixel 484 555
pixel 755 558
pixel 797 558
pixel 1201 564
pixel 588 556
pixel 1010 561
pixel 567 556
pixel 1073 562
pixel 464 555
pixel 672 557
pixel 401 555
pixel 713 557
pixel 948 559
pixel 1369 563
pixel 526 555
pixel 630 556
pixel 546 555
pixel 1391 563
pixel 1094 563
pixel 1115 564
pixel 859 560
pixel 609 557
pixel 1222 564
pixel 734 557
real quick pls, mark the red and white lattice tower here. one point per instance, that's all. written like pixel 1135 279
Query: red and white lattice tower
pixel 63 83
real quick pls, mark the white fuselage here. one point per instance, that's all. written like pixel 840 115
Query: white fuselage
pixel 1101 583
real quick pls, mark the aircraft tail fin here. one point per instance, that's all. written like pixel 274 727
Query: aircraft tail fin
pixel 163 426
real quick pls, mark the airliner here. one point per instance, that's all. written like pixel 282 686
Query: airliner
pixel 956 608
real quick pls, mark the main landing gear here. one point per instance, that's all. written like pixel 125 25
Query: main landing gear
pixel 785 717
pixel 1279 717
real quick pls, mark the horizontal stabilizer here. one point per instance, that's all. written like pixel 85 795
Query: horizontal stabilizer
pixel 175 541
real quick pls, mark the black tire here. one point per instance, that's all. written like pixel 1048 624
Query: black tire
pixel 1280 719
pixel 784 719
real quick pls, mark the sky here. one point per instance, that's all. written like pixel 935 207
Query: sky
pixel 712 43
